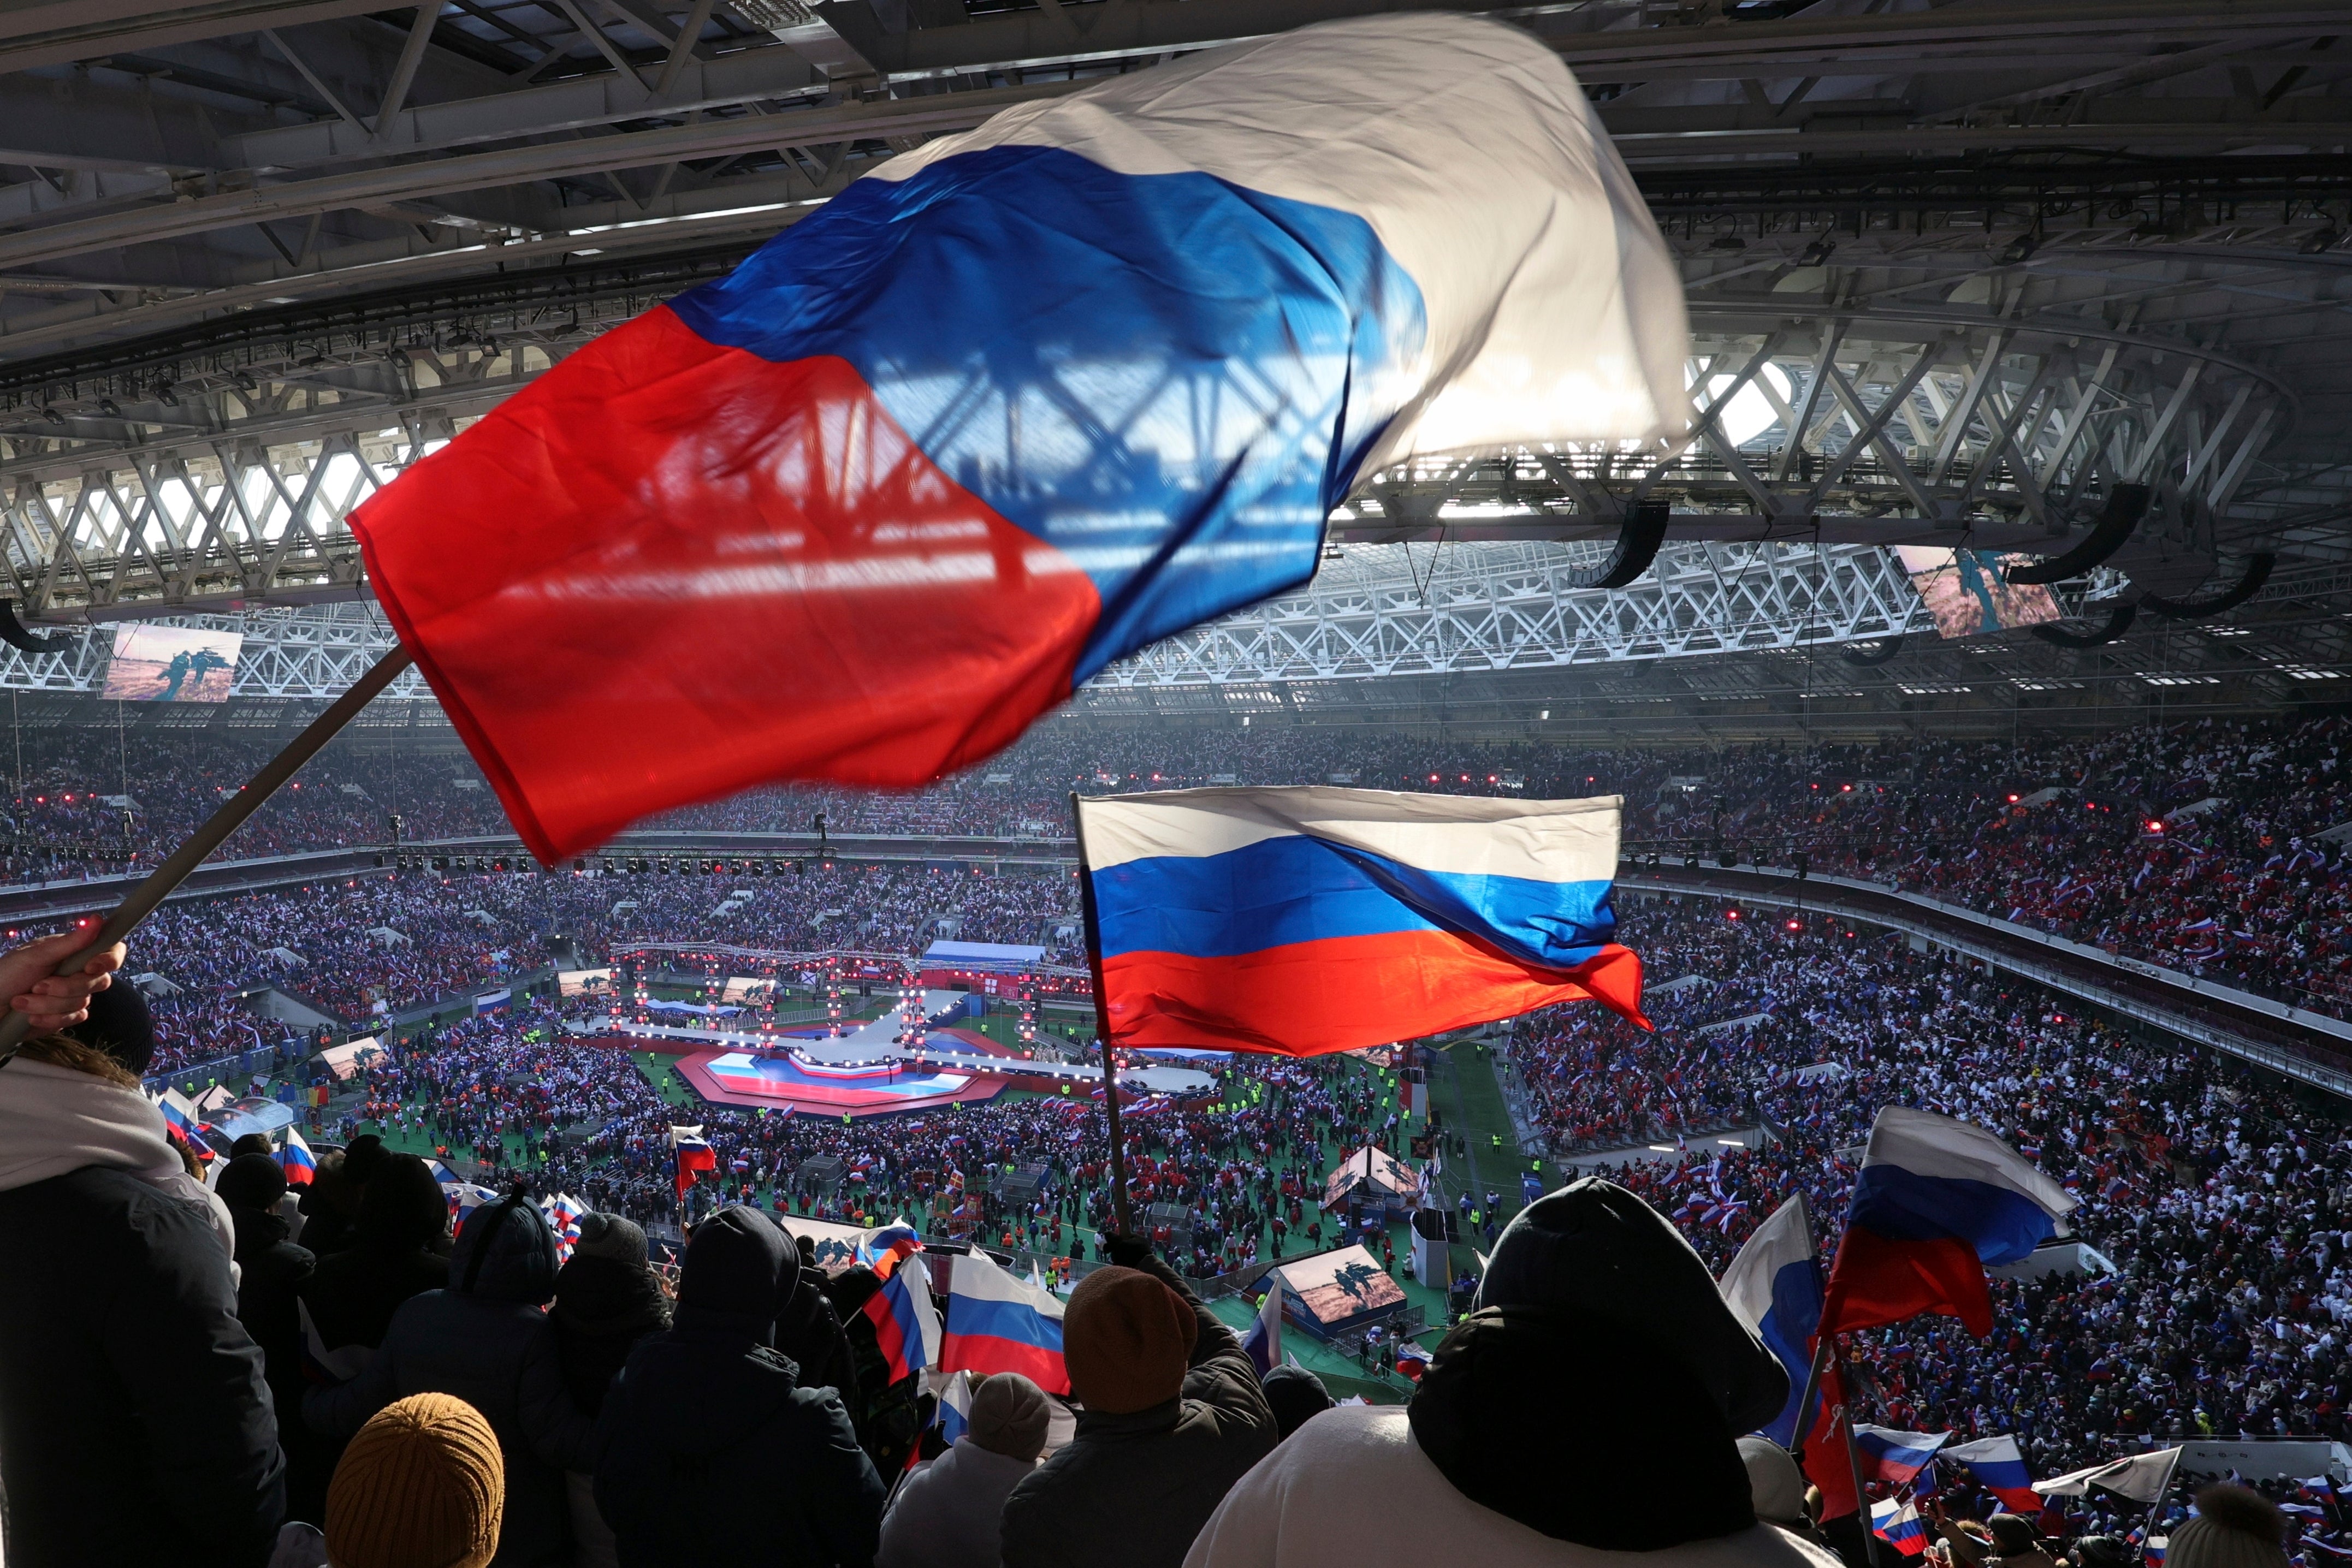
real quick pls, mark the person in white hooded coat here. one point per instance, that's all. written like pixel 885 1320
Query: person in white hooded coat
pixel 135 1425
pixel 948 1513
pixel 1590 1407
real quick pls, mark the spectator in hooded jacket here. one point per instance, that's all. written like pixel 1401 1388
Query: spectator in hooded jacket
pixel 269 1270
pixel 331 1208
pixel 607 1298
pixel 1173 1418
pixel 711 1408
pixel 134 1418
pixel 1598 1343
pixel 949 1512
pixel 390 1254
pixel 485 1340
pixel 809 1329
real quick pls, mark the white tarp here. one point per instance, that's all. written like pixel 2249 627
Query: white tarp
pixel 1388 1176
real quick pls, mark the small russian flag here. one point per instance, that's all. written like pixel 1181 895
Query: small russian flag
pixel 955 1407
pixel 1900 1526
pixel 694 1157
pixel 299 1163
pixel 1263 1342
pixel 905 1325
pixel 1411 1359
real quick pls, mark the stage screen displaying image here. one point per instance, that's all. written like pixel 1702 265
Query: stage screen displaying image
pixel 1969 591
pixel 584 982
pixel 1337 1286
pixel 171 665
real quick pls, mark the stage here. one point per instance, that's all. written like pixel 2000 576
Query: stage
pixel 865 1073
pixel 785 1083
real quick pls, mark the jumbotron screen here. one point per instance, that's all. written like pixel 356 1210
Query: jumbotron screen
pixel 171 665
pixel 1969 591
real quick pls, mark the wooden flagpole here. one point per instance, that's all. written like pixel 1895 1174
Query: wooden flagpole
pixel 1122 1224
pixel 149 894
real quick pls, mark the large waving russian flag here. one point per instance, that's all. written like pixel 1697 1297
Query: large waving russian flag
pixel 1999 1466
pixel 1937 1201
pixel 1893 1456
pixel 998 1323
pixel 1774 1286
pixel 1017 404
pixel 1319 919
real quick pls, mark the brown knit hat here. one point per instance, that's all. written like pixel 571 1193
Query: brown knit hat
pixel 1126 1340
pixel 421 1486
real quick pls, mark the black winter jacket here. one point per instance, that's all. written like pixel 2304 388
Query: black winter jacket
pixel 603 1308
pixel 1132 1492
pixel 270 1269
pixel 135 1425
pixel 353 1295
pixel 486 1340
pixel 710 1451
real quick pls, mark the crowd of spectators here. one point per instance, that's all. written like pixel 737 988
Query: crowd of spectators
pixel 2202 847
pixel 521 1098
pixel 2219 1206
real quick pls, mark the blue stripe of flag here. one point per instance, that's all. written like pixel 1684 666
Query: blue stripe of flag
pixel 1296 888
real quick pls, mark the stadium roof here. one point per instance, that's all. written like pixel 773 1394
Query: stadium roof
pixel 1953 269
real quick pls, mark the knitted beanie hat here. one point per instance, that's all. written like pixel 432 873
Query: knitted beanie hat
pixel 421 1486
pixel 1126 1340
pixel 1009 1414
pixel 2234 1528
pixel 610 1236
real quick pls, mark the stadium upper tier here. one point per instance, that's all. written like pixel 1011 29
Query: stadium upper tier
pixel 2209 847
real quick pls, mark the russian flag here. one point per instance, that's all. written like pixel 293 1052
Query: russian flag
pixel 1411 1359
pixel 1774 1286
pixel 563 1213
pixel 1999 1466
pixel 905 1325
pixel 884 1247
pixel 1017 404
pixel 300 1165
pixel 694 1157
pixel 1936 1201
pixel 955 1406
pixel 180 1112
pixel 2152 1553
pixel 1900 1526
pixel 1892 1456
pixel 998 1323
pixel 1319 919
pixel 1263 1342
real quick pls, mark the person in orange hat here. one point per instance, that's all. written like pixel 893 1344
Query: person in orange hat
pixel 1173 1416
pixel 421 1485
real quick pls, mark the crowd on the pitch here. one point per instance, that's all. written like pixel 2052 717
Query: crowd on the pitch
pixel 516 1096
